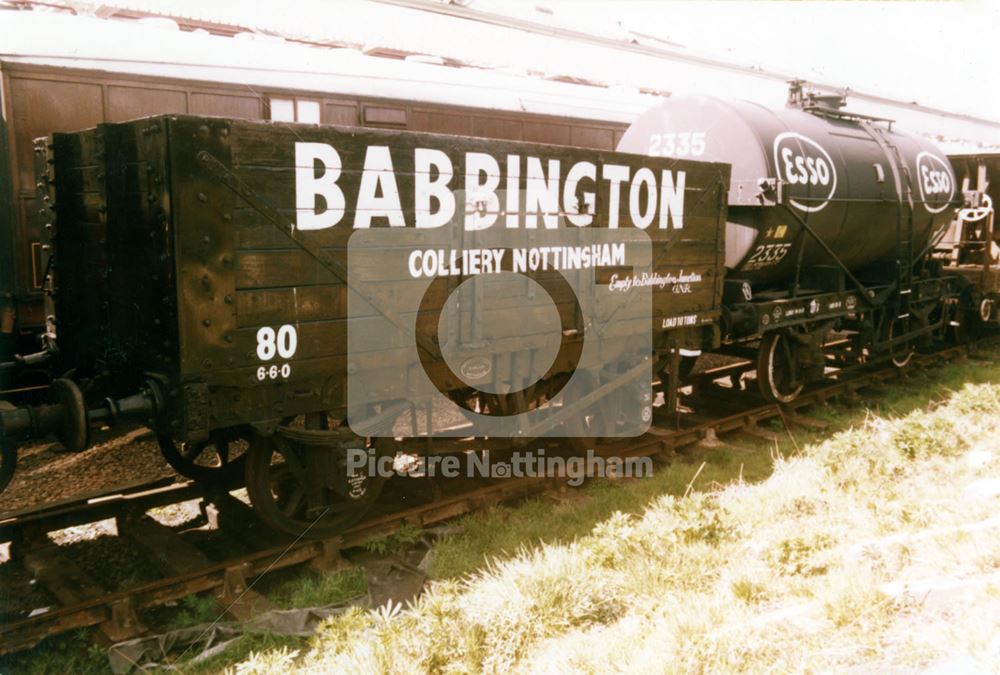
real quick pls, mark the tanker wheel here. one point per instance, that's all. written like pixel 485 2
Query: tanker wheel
pixel 219 460
pixel 986 309
pixel 8 461
pixel 901 353
pixel 778 375
pixel 300 483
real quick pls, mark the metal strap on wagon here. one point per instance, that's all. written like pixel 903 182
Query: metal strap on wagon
pixel 233 182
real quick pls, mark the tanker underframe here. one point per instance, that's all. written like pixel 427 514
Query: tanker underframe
pixel 831 320
pixel 838 247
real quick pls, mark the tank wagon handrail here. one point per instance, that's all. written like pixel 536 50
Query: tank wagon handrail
pixel 866 294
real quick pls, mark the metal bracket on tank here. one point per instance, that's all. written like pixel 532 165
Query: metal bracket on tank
pixel 825 105
pixel 770 191
pixel 866 294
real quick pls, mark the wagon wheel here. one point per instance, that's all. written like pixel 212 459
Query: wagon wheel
pixel 603 421
pixel 220 459
pixel 685 366
pixel 300 481
pixel 8 461
pixel 778 372
pixel 585 431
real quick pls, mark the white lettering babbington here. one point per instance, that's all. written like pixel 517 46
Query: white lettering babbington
pixel 318 168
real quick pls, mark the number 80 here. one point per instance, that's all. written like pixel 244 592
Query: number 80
pixel 283 342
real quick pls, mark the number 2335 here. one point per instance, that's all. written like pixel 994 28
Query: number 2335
pixel 677 144
pixel 767 255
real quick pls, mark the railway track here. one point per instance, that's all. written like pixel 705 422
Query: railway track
pixel 185 570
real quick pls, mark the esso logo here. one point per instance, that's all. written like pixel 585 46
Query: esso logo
pixel 935 181
pixel 807 169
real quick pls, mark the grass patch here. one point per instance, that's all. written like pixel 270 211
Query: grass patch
pixel 318 589
pixel 194 610
pixel 298 590
pixel 505 530
pixel 73 652
pixel 828 557
pixel 255 652
pixel 400 540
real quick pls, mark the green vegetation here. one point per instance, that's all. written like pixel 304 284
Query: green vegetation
pixel 194 610
pixel 825 551
pixel 73 652
pixel 314 589
pixel 249 648
pixel 875 548
pixel 302 589
pixel 400 540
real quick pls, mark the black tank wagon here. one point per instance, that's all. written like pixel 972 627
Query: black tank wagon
pixel 203 279
pixel 832 224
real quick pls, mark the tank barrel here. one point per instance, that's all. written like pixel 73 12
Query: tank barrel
pixel 873 196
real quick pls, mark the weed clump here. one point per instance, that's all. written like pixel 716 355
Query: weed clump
pixel 801 554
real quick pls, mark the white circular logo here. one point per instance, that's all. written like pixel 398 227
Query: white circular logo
pixel 935 181
pixel 806 169
pixel 475 368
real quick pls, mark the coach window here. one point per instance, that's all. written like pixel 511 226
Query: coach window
pixel 282 110
pixel 295 110
pixel 307 111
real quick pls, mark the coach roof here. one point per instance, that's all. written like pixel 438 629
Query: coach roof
pixel 262 62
